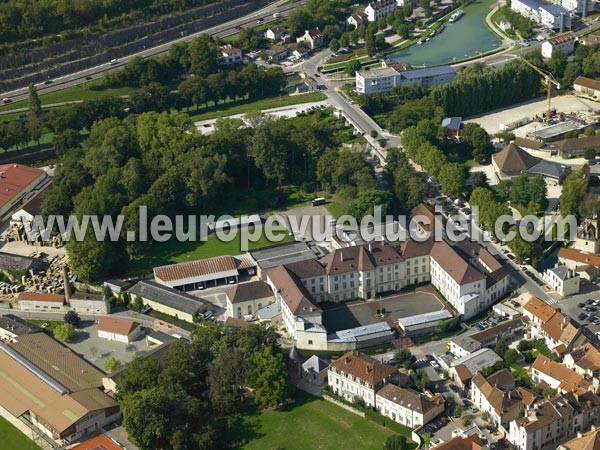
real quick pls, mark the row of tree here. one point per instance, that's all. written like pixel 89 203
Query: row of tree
pixel 193 398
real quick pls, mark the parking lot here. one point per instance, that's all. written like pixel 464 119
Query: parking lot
pixel 584 307
pixel 96 349
pixel 341 317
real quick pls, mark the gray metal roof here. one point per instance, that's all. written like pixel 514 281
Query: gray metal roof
pixel 426 72
pixel 561 272
pixel 168 296
pixel 419 319
pixel 467 343
pixel 354 334
pixel 276 255
pixel 269 311
pixel 477 361
pixel 17 325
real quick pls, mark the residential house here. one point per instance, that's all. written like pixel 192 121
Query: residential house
pixel 584 360
pixel 561 333
pixel 297 50
pixel 558 376
pixel 247 298
pixel 527 8
pixel 505 330
pixel 472 442
pixel 564 42
pixel 378 9
pixel 231 55
pixel 498 396
pixel 463 345
pixel 555 17
pixel 356 375
pixel 314 370
pixel 586 441
pixel 118 329
pixel 576 259
pixel 407 406
pixel 357 20
pixel 587 86
pixel 528 144
pixel 276 34
pixel 313 37
pixel 278 53
pixel 545 425
pixel 578 7
pixel 538 311
pixel 562 280
pixel 588 236
pixel 463 369
pixel 383 79
pixel 590 39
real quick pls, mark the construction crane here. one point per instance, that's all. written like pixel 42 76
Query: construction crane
pixel 547 81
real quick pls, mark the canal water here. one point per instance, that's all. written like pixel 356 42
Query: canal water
pixel 465 38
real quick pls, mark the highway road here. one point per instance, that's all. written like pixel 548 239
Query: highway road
pixel 220 31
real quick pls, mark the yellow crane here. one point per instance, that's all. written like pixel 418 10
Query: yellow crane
pixel 547 81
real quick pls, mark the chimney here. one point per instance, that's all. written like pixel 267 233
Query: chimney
pixel 370 251
pixel 66 284
pixel 341 256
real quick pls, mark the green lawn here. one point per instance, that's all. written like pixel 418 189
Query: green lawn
pixel 12 438
pixel 50 324
pixel 246 106
pixel 309 423
pixel 173 251
pixel 73 93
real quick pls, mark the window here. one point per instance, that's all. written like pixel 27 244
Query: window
pixel 239 312
pixel 249 309
pixel 259 305
pixel 309 342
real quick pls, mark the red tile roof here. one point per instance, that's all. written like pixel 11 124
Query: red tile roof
pixel 461 271
pixel 360 257
pixel 539 309
pixel 14 179
pixel 292 291
pixel 100 442
pixel 117 325
pixel 40 297
pixel 363 367
pixel 195 268
pixel 579 256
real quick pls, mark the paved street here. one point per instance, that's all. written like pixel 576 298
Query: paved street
pixel 281 6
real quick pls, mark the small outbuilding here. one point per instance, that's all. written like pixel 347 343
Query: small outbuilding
pixel 118 329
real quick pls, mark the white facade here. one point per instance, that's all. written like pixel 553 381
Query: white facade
pixel 377 10
pixel 565 286
pixel 112 336
pixel 529 9
pixel 381 80
pixel 349 387
pixel 550 46
pixel 554 17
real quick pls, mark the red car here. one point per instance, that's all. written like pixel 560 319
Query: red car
pixel 6 100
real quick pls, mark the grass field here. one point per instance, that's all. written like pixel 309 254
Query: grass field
pixel 50 324
pixel 173 251
pixel 73 93
pixel 309 423
pixel 246 106
pixel 12 438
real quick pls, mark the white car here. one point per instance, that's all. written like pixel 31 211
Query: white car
pixel 113 62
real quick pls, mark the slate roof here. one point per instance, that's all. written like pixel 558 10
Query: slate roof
pixel 315 364
pixel 254 290
pixel 411 399
pixel 452 123
pixel 17 325
pixel 168 296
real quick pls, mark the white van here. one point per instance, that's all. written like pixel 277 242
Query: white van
pixel 276 15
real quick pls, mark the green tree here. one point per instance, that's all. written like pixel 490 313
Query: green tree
pixel 366 201
pixel 204 55
pixel 501 347
pixel 268 378
pixel 458 410
pixel 404 357
pixel 334 45
pixel 137 303
pixel 344 40
pixel 452 179
pixel 352 67
pixel 395 442
pixel 111 364
pixel 64 332
pixel 573 192
pixel 467 421
pixel 35 105
pixel 370 46
pixel 72 317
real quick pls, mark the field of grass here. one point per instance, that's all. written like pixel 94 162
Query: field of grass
pixel 246 106
pixel 74 93
pixel 309 423
pixel 173 251
pixel 12 438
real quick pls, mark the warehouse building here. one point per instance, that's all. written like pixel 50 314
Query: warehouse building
pixel 204 273
pixel 118 329
pixel 267 258
pixel 169 301
pixel 16 181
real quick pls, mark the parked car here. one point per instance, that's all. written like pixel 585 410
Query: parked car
pixel 590 301
pixel 6 100
pixel 581 305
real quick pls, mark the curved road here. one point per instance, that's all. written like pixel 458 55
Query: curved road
pixel 220 31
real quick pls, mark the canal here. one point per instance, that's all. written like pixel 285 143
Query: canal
pixel 465 38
